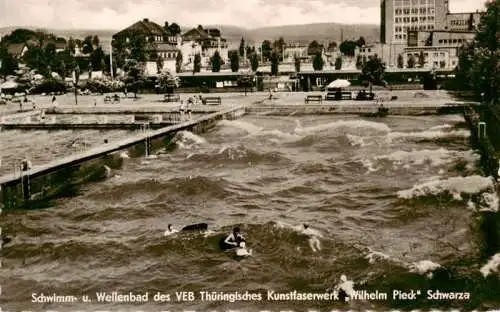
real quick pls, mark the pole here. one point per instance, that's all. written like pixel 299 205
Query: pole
pixel 111 59
pixel 76 77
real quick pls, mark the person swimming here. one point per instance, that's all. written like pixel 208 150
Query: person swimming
pixel 188 228
pixel 170 230
pixel 232 240
pixel 242 251
pixel 313 235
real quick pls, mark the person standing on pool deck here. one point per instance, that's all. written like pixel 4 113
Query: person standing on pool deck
pixel 189 107
pixel 182 109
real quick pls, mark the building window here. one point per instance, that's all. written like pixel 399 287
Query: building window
pixel 414 19
pixel 369 50
pixel 422 1
pixel 414 2
pixel 426 54
pixel 398 19
pixel 414 10
pixel 398 11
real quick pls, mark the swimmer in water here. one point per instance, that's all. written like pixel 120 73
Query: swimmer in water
pixel 242 251
pixel 234 238
pixel 313 239
pixel 170 230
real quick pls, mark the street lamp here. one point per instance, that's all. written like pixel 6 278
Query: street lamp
pixel 76 78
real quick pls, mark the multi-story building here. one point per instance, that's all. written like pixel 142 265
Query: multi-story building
pixel 204 42
pixel 400 16
pixel 160 43
pixel 292 51
pixel 411 28
pixel 437 49
pixel 462 21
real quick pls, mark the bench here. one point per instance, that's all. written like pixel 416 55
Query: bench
pixel 216 100
pixel 338 96
pixel 114 99
pixel 313 98
pixel 365 96
pixel 172 98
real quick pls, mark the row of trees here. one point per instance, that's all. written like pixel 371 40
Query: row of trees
pixel 479 62
pixel 43 55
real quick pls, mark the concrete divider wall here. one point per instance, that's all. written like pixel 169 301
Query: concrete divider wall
pixel 64 177
pixel 307 109
pixel 488 223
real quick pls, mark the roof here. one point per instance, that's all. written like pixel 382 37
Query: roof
pixel 211 74
pixel 196 33
pixel 145 27
pixel 16 49
pixel 59 45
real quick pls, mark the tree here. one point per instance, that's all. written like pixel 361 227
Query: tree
pixel 373 72
pixel 463 78
pixel 254 61
pixel 8 64
pixel 421 59
pixel 359 62
pixel 234 59
pixel 348 47
pixel 314 47
pixel 242 47
pixel 250 50
pixel 400 61
pixel 50 51
pixel 274 64
pixel 361 41
pixel 71 46
pixel 159 64
pixel 95 42
pixel 338 63
pixel 318 61
pixel 178 62
pixel 174 29
pixel 332 45
pixel 197 63
pixel 266 49
pixel 485 69
pixel 278 46
pixel 19 35
pixel 135 78
pixel 216 61
pixel 167 82
pixel 411 62
pixel 96 58
pixel 137 47
pixel 297 64
pixel 471 25
pixel 87 45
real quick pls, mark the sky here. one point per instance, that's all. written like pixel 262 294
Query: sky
pixel 118 14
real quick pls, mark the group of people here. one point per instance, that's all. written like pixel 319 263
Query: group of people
pixel 186 109
pixel 237 242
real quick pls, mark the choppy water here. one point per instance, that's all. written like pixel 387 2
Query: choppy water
pixel 385 194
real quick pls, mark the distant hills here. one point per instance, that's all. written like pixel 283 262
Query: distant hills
pixel 305 33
